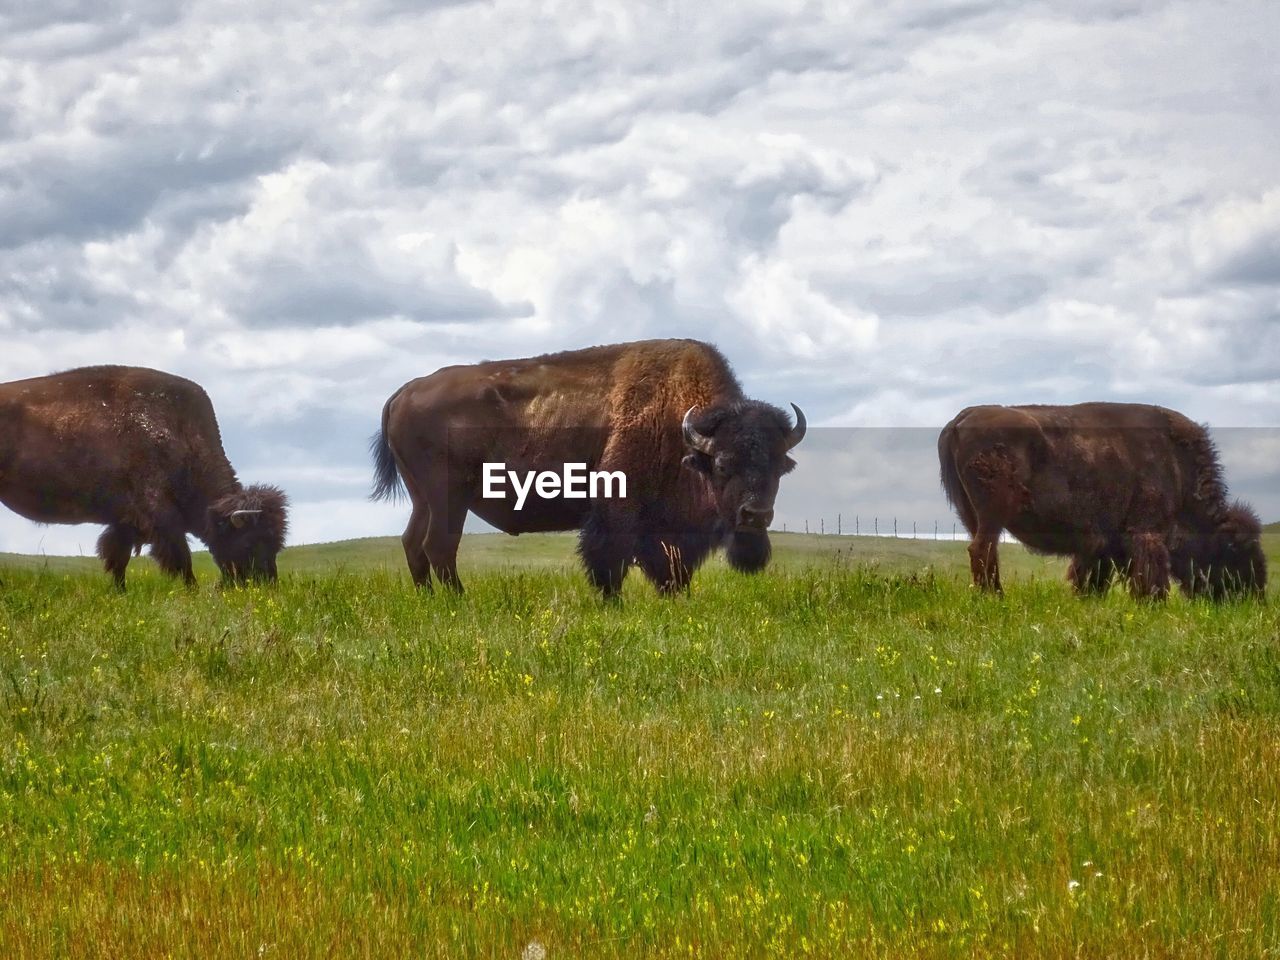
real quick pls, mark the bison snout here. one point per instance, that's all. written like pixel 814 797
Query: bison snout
pixel 755 518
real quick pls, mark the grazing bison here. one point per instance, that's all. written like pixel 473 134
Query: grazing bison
pixel 701 461
pixel 1115 486
pixel 140 451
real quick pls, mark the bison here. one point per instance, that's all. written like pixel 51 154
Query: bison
pixel 702 462
pixel 138 450
pixel 1115 486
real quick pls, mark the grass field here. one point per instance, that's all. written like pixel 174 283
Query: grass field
pixel 851 755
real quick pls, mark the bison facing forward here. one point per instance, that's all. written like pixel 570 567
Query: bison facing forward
pixel 140 451
pixel 1115 486
pixel 702 462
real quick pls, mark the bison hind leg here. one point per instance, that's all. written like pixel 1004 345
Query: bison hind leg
pixel 995 483
pixel 414 542
pixel 115 546
pixel 444 534
pixel 172 555
pixel 984 561
pixel 435 530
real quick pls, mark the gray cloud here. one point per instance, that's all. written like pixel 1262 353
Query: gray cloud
pixel 286 291
pixel 67 28
pixel 109 188
pixel 883 214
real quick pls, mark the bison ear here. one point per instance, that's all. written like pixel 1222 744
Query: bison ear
pixel 698 462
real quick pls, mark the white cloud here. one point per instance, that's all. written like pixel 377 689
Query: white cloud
pixel 1238 241
pixel 883 212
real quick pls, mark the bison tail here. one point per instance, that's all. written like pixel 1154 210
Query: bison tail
pixel 957 496
pixel 387 484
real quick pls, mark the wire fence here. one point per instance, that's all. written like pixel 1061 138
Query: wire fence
pixel 891 527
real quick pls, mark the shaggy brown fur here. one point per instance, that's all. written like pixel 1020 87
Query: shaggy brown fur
pixel 613 408
pixel 140 451
pixel 1117 487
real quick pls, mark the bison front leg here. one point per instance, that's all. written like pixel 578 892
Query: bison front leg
pixel 1091 574
pixel 666 563
pixel 606 552
pixel 114 547
pixel 1149 568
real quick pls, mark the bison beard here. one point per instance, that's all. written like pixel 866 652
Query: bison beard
pixel 748 552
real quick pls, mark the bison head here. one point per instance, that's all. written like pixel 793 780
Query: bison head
pixel 742 450
pixel 1227 558
pixel 246 531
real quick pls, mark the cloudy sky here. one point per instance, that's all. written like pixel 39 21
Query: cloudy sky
pixel 881 211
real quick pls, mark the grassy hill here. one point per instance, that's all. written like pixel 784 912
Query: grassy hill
pixel 495 551
pixel 556 551
pixel 833 758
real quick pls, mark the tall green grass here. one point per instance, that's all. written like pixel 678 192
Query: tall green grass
pixel 829 759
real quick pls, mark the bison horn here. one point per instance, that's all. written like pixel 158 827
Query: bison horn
pixel 237 517
pixel 797 432
pixel 692 438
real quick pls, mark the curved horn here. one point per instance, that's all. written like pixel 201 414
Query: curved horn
pixel 237 517
pixel 694 439
pixel 797 432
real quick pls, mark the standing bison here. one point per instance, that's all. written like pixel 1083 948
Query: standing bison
pixel 1115 486
pixel 140 451
pixel 701 461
